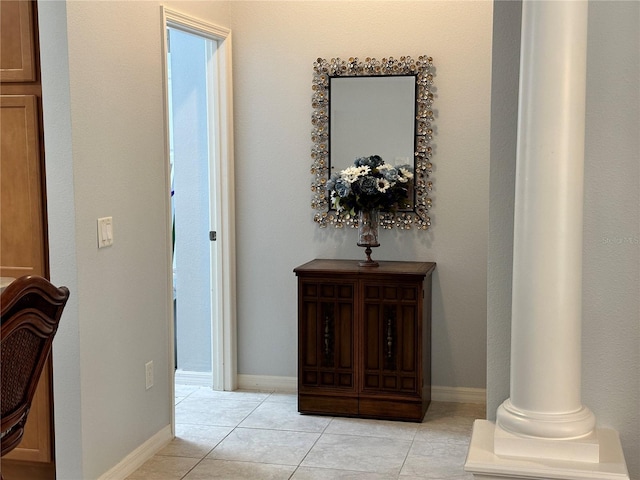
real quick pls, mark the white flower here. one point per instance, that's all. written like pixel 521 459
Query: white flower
pixel 352 174
pixel 406 173
pixel 382 185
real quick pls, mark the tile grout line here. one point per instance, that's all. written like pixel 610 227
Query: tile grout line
pixel 314 444
pixel 413 438
pixel 218 443
pixel 407 454
pixel 206 454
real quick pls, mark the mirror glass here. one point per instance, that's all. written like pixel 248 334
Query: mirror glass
pixel 371 116
pixel 372 107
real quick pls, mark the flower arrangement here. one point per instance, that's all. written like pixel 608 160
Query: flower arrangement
pixel 370 184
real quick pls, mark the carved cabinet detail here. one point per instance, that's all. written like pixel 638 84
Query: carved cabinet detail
pixel 364 339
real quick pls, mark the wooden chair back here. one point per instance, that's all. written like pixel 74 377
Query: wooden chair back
pixel 31 308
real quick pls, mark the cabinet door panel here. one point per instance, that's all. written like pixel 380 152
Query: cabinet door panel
pixel 17 60
pixel 390 339
pixel 22 235
pixel 326 335
pixel 310 337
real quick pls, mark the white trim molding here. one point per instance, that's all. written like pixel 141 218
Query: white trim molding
pixel 267 383
pixel 139 456
pixel 458 394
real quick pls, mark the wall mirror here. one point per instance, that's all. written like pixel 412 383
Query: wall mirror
pixel 372 107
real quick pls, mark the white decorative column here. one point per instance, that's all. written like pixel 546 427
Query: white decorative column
pixel 547 258
pixel 543 430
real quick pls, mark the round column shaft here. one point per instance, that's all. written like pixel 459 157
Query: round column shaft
pixel 547 259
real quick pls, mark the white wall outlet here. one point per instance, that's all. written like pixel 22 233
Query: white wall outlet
pixel 105 232
pixel 148 370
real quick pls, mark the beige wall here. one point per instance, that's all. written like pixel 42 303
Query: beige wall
pixel 275 45
pixel 105 157
pixel 611 256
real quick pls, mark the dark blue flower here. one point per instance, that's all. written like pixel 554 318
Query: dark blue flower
pixel 373 161
pixel 368 185
pixel 331 183
pixel 390 174
pixel 343 188
pixel 376 161
pixel 362 161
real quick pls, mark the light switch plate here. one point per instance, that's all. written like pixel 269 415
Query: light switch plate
pixel 105 232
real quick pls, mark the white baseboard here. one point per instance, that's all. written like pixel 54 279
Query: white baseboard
pixel 268 383
pixel 459 394
pixel 135 459
pixel 290 384
pixel 186 377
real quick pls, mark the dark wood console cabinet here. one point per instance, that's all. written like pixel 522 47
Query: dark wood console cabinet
pixel 364 339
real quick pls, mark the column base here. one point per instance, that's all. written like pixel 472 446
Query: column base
pixel 553 426
pixel 485 464
pixel 584 449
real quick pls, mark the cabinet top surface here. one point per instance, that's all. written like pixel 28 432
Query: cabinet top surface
pixel 319 266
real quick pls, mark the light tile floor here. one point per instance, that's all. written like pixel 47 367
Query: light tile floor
pixel 253 435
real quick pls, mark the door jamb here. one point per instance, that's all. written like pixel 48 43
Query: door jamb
pixel 226 330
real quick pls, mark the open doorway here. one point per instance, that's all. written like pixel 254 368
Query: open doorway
pixel 201 210
pixel 190 72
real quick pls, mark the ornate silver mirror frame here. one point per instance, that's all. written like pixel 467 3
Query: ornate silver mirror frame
pixel 323 70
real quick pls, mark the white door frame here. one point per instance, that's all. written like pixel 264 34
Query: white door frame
pixel 224 327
